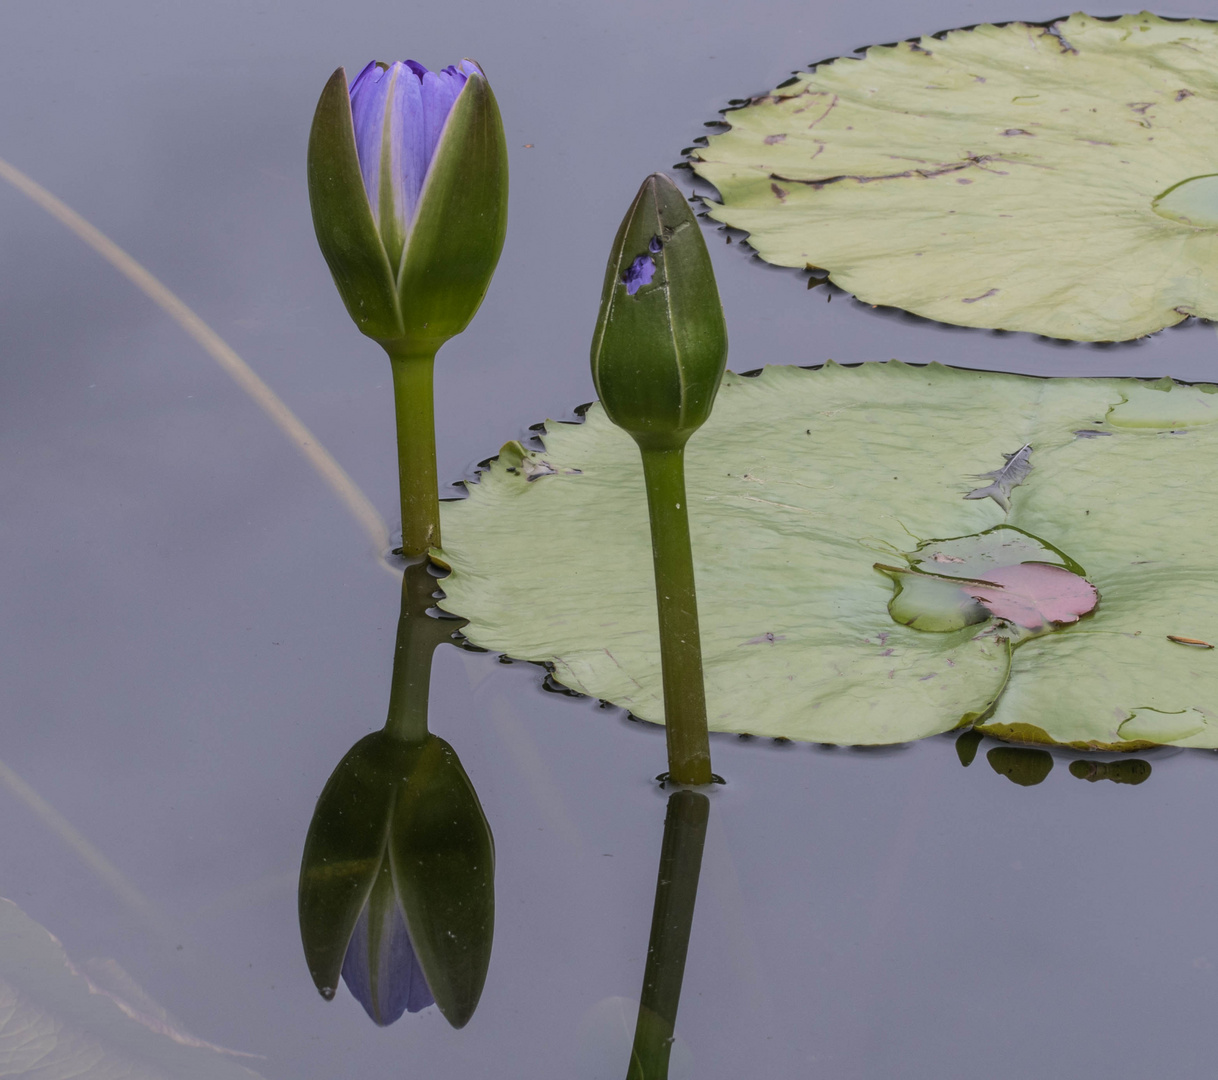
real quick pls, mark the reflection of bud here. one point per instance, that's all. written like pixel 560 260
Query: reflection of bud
pixel 397 881
pixel 1020 765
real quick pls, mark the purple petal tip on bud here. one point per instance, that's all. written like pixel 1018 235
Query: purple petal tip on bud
pixel 639 273
pixel 643 269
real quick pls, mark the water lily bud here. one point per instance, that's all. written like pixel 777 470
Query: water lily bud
pixel 660 345
pixel 408 186
pixel 397 880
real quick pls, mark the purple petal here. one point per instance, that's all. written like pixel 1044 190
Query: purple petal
pixel 381 969
pixel 418 103
pixel 440 90
pixel 407 161
pixel 639 273
pixel 369 93
pixel 468 67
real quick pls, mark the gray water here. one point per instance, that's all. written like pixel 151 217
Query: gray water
pixel 194 631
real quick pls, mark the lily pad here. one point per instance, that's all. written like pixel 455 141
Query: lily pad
pixel 1057 179
pixel 800 482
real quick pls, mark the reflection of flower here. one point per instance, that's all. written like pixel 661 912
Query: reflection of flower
pixel 397 881
pixel 381 969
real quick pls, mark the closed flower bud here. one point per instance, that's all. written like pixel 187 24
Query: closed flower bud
pixel 660 345
pixel 408 186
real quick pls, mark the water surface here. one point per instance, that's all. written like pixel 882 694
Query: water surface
pixel 194 631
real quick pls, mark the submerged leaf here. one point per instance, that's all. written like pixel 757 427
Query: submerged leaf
pixel 1056 179
pixel 798 484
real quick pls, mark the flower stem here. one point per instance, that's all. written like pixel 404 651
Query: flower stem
pixel 418 636
pixel 680 643
pixel 671 922
pixel 413 404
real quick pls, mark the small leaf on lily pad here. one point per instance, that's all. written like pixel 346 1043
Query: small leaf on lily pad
pixel 800 482
pixel 1146 406
pixel 932 603
pixel 1017 586
pixel 1152 726
pixel 978 555
pixel 1032 595
pixel 1057 179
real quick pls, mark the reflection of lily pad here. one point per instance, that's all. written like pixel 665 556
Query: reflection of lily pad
pixel 1119 772
pixel 1059 180
pixel 58 1024
pixel 1021 765
pixel 798 484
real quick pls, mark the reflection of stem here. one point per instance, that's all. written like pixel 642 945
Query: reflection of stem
pixel 680 643
pixel 671 920
pixel 418 636
pixel 413 403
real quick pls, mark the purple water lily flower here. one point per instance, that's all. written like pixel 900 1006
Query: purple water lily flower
pixel 399 111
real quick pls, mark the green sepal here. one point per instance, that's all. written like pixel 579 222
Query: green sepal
pixel 459 224
pixel 342 217
pixel 658 355
pixel 344 849
pixel 442 857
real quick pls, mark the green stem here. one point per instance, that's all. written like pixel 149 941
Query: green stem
pixel 416 423
pixel 680 643
pixel 671 921
pixel 418 636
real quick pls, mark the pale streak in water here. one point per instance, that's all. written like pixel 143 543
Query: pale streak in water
pixel 323 463
pixel 89 855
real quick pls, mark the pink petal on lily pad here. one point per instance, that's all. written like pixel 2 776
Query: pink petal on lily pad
pixel 1032 594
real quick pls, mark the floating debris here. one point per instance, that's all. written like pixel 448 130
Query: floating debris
pixel 1011 475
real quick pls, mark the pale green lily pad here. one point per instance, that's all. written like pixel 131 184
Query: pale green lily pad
pixel 798 484
pixel 1057 180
